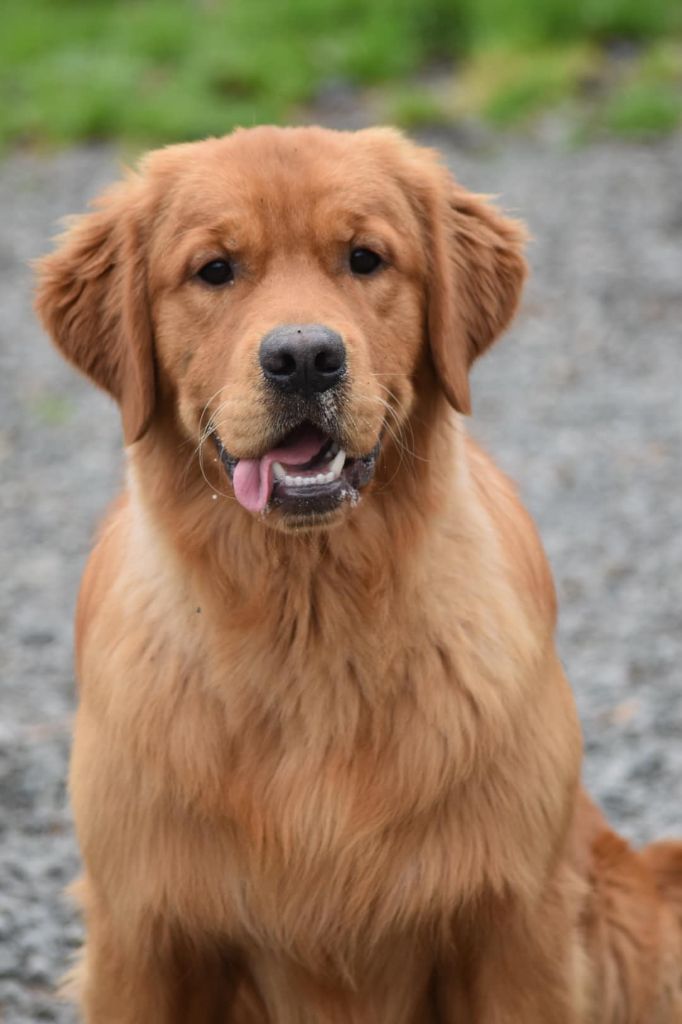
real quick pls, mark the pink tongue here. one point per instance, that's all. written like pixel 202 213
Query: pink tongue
pixel 252 479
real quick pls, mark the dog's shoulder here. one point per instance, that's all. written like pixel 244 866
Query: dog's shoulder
pixel 498 501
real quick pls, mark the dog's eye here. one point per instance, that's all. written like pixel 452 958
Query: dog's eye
pixel 217 272
pixel 364 261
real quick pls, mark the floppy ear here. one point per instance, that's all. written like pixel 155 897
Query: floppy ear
pixel 477 274
pixel 92 299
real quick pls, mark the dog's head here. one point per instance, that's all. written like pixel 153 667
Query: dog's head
pixel 282 292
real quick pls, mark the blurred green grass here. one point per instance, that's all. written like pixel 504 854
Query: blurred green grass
pixel 148 71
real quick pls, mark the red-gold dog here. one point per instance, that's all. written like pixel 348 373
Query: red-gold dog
pixel 326 764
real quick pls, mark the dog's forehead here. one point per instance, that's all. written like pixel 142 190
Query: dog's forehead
pixel 277 178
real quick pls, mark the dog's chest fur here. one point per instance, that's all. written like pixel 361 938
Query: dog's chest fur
pixel 328 783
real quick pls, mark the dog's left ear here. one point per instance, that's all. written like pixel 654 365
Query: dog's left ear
pixel 476 277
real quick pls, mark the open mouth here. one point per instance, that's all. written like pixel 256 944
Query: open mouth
pixel 307 473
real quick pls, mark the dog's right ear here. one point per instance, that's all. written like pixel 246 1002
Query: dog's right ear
pixel 92 299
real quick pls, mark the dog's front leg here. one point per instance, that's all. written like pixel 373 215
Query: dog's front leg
pixel 509 989
pixel 149 976
pixel 521 967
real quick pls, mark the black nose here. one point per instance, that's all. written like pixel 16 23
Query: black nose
pixel 304 359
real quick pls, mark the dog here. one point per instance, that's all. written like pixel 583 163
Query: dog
pixel 326 766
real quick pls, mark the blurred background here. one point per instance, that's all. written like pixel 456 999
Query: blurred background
pixel 154 71
pixel 571 112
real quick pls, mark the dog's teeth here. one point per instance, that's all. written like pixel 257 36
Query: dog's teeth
pixel 278 472
pixel 337 465
pixel 317 478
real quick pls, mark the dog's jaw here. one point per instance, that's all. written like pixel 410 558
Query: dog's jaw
pixel 306 478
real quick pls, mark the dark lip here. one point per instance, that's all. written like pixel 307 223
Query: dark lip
pixel 315 500
pixel 229 461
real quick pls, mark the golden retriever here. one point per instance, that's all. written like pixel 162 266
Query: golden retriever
pixel 326 762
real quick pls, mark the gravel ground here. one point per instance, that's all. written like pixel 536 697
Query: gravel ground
pixel 581 404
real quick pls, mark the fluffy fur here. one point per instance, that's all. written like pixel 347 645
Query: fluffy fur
pixel 328 773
